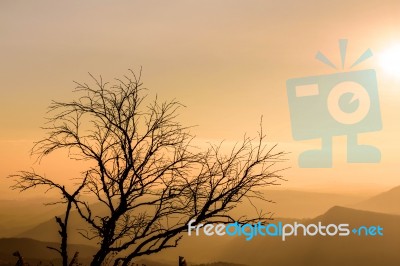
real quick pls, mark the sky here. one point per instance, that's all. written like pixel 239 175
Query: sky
pixel 226 61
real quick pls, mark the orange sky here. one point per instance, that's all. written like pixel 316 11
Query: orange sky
pixel 227 61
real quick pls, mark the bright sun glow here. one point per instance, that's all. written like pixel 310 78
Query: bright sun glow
pixel 389 60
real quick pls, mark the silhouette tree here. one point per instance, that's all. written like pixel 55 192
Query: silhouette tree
pixel 145 171
pixel 27 180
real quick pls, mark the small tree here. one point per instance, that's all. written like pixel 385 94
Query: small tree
pixel 145 172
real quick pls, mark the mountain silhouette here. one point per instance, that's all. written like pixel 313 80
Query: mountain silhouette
pixel 328 251
pixel 300 250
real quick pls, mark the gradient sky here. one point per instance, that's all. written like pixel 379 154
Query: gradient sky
pixel 227 61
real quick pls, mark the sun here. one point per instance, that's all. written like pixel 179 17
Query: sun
pixel 389 60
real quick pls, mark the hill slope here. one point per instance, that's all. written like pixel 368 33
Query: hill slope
pixel 17 216
pixel 386 202
pixel 327 251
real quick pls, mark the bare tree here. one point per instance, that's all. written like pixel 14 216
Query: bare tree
pixel 145 172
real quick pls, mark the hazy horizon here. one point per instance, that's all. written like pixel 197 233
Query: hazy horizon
pixel 227 61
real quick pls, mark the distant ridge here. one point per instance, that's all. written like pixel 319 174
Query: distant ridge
pixel 300 251
pixel 339 214
pixel 386 202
